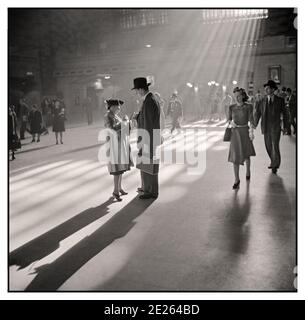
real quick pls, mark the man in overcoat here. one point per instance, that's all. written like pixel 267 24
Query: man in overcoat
pixel 271 111
pixel 148 119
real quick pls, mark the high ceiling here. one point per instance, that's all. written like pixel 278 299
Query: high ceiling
pixel 53 29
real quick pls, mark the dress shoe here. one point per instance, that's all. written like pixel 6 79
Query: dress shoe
pixel 123 193
pixel 248 177
pixel 117 196
pixel 33 140
pixel 38 140
pixel 274 170
pixel 140 190
pixel 236 185
pixel 270 167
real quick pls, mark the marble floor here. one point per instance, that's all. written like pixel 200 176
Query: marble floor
pixel 67 233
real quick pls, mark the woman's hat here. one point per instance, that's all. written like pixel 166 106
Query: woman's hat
pixel 140 83
pixel 114 102
pixel 271 84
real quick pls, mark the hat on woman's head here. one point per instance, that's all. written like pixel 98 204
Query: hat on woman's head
pixel 114 102
pixel 140 83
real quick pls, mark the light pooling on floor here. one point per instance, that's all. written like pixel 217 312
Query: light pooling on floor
pixel 198 235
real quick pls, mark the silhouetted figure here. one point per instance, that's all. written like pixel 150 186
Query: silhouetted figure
pixel 35 120
pixel 175 111
pixel 58 121
pixel 13 139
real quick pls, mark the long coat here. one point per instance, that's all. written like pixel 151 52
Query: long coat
pixel 59 120
pixel 149 120
pixel 12 131
pixel 118 139
pixel 275 111
pixel 35 119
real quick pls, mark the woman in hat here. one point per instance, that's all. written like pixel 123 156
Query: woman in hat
pixel 35 119
pixel 119 145
pixel 58 120
pixel 242 124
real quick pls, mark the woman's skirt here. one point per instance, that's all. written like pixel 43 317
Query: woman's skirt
pixel 59 125
pixel 117 169
pixel 241 147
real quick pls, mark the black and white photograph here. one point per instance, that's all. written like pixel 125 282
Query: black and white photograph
pixel 152 149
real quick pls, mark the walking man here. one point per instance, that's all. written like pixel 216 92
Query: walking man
pixel 269 110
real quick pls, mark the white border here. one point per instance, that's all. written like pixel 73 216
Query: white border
pixel 4 295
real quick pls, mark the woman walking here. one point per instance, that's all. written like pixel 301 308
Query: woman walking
pixel 58 121
pixel 35 120
pixel 119 147
pixel 242 124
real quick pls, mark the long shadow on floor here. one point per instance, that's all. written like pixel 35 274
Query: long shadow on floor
pixel 35 149
pixel 236 230
pixel 45 244
pixel 51 276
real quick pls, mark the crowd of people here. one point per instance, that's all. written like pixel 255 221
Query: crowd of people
pixel 243 112
pixel 35 120
pixel 276 109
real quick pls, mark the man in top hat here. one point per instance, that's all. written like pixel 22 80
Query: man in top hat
pixel 269 110
pixel 148 119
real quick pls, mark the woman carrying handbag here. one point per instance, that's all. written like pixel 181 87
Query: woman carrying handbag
pixel 242 124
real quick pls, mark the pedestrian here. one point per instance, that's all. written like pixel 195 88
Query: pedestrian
pixel 175 111
pixel 13 139
pixel 59 119
pixel 88 109
pixel 269 110
pixel 242 123
pixel 291 106
pixel 118 138
pixel 35 120
pixel 225 103
pixel 24 110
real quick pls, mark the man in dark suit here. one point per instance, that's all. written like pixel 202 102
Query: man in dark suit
pixel 269 110
pixel 148 119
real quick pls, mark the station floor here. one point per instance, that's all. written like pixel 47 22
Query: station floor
pixel 68 234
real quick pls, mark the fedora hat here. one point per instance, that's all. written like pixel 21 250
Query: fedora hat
pixel 271 84
pixel 114 102
pixel 140 83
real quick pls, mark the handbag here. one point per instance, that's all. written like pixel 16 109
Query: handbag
pixel 227 135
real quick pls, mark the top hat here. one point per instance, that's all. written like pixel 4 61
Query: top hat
pixel 271 84
pixel 114 102
pixel 140 83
